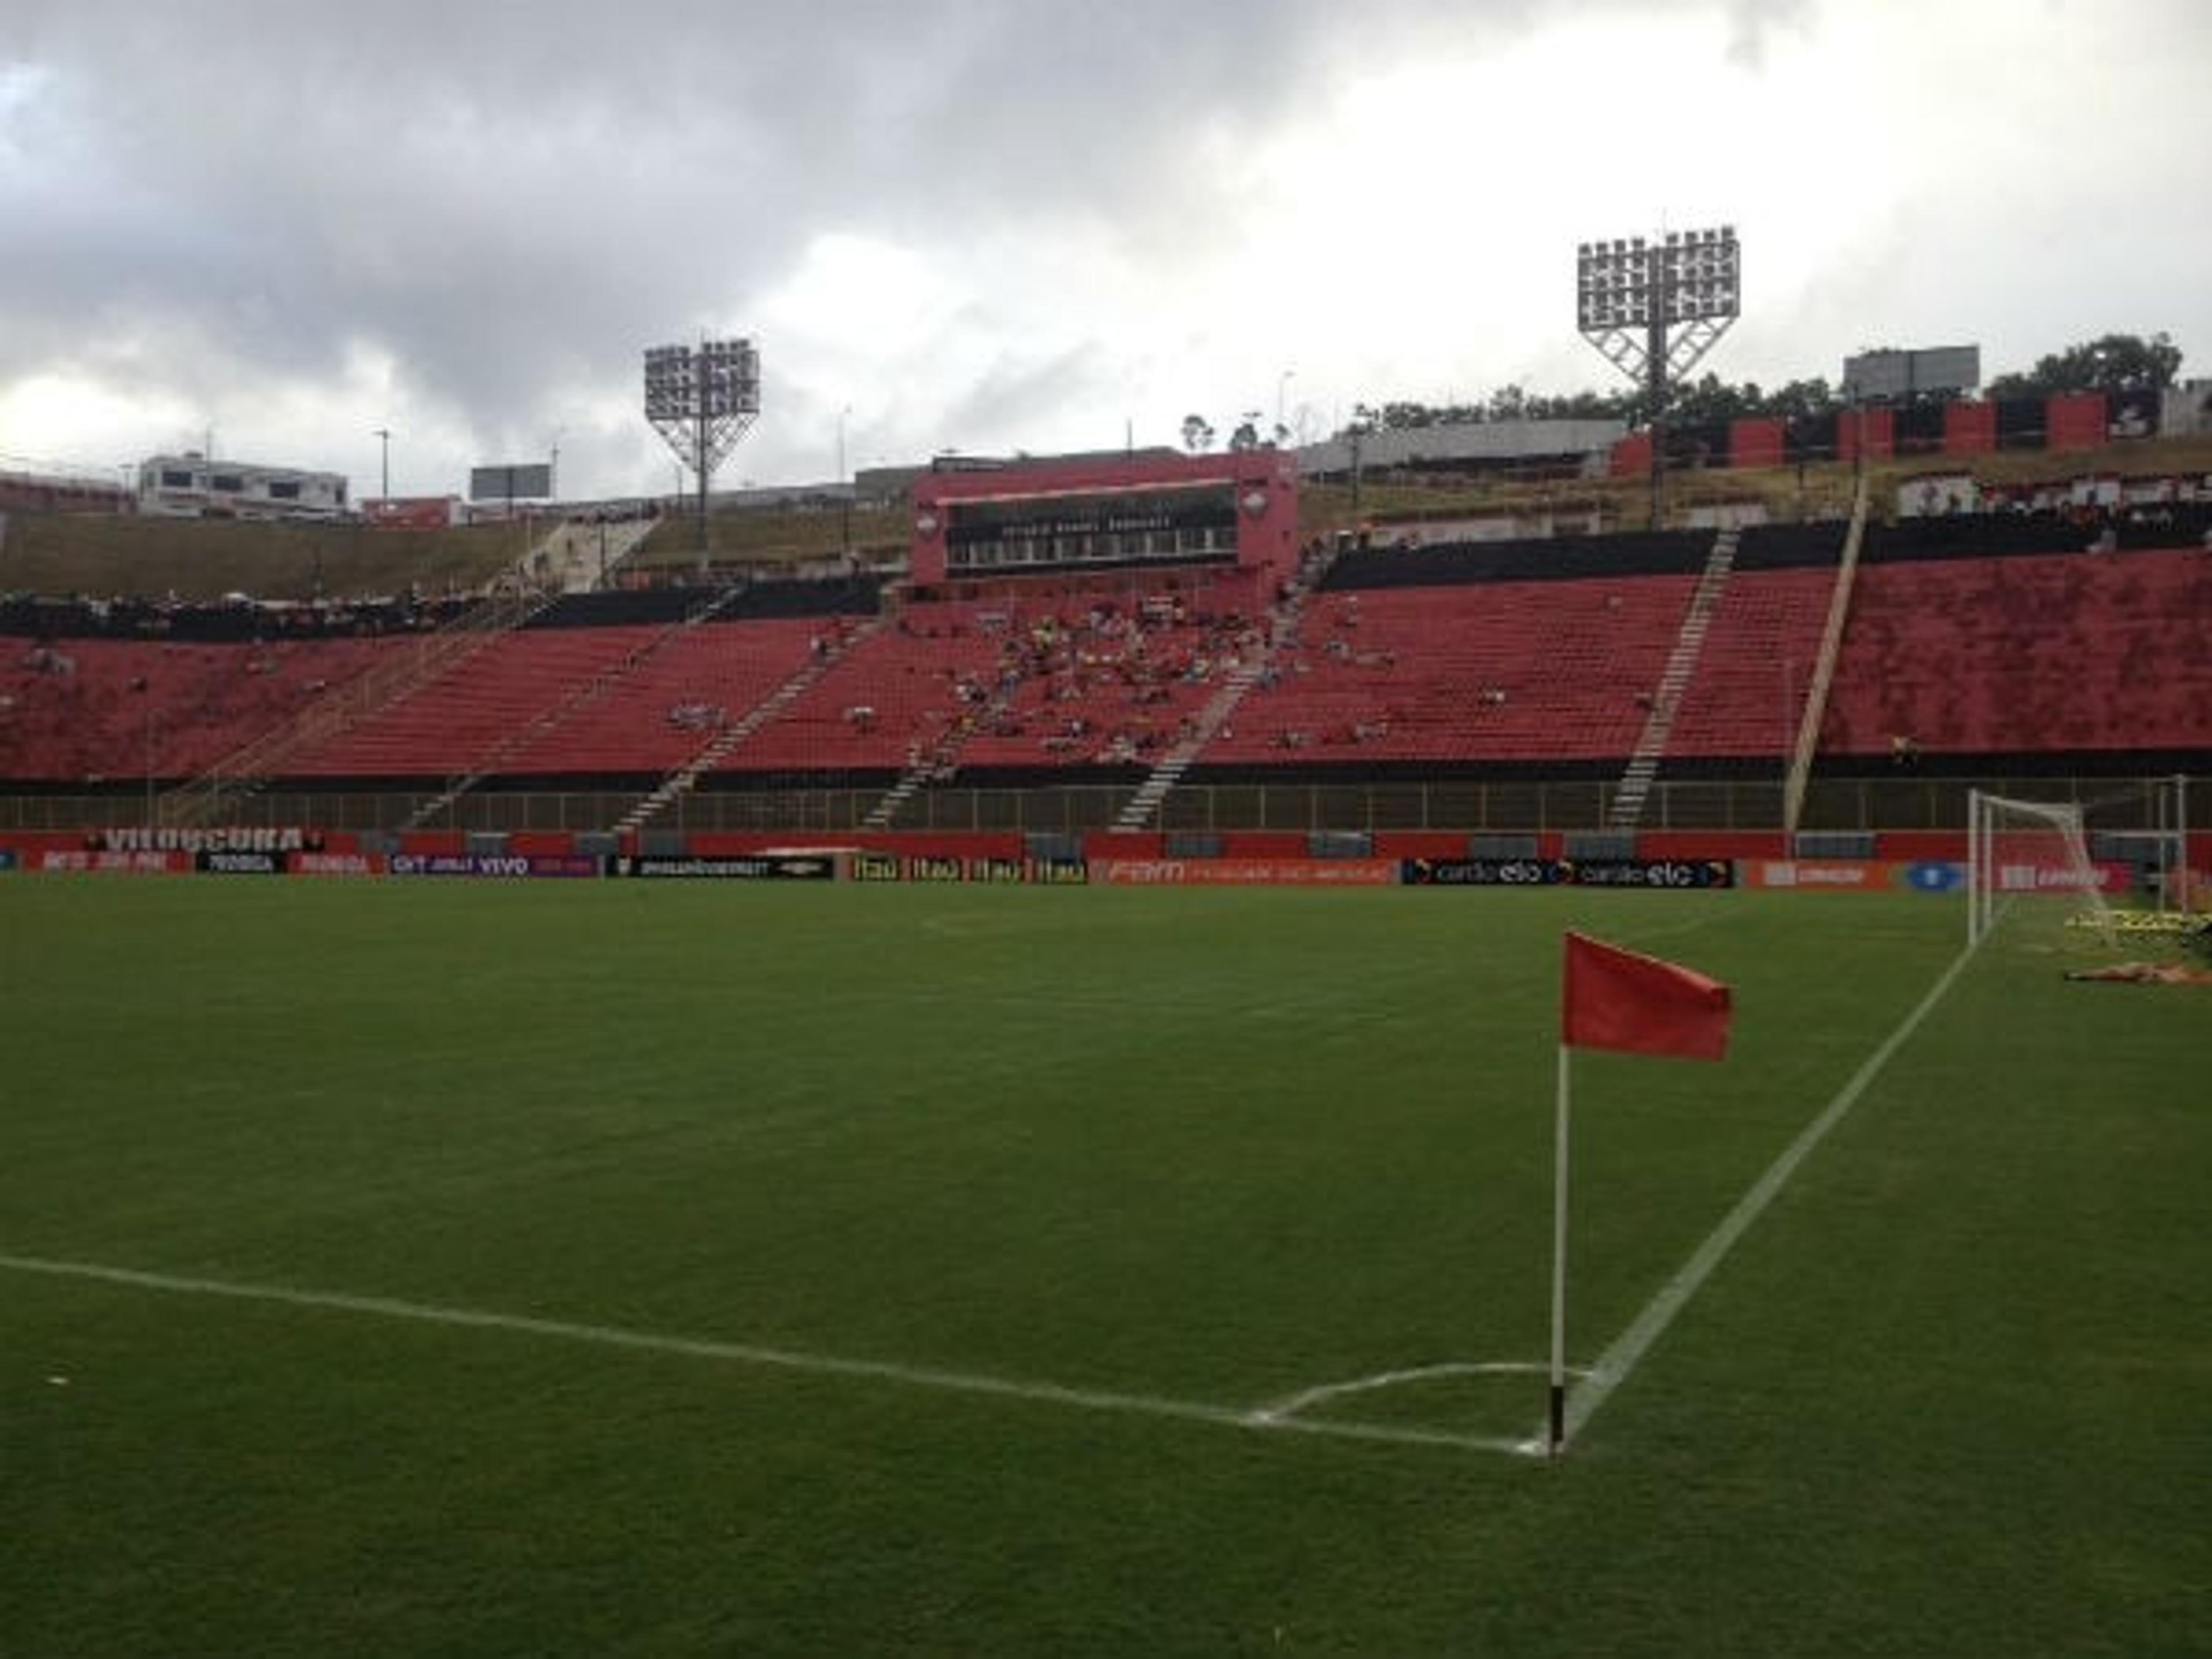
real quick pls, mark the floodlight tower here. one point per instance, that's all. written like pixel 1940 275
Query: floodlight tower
pixel 702 400
pixel 1653 307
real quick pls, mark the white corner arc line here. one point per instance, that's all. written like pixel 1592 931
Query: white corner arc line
pixel 746 1353
pixel 1614 1365
pixel 1291 1405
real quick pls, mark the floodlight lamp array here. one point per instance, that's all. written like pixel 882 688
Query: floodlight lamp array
pixel 702 399
pixel 1685 275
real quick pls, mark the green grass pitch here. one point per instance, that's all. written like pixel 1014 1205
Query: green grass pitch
pixel 642 1269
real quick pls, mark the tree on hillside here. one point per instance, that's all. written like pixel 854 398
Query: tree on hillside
pixel 2110 362
pixel 1197 433
pixel 1711 399
pixel 1795 399
pixel 1578 406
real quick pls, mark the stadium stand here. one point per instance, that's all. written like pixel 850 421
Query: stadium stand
pixel 75 709
pixel 2024 653
pixel 1748 694
pixel 656 715
pixel 1113 681
pixel 1468 672
pixel 1972 635
pixel 903 693
pixel 445 726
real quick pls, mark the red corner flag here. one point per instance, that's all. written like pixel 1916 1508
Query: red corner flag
pixel 1639 1005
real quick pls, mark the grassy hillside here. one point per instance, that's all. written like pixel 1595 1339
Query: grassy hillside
pixel 1787 493
pixel 102 556
pixel 775 537
pixel 61 553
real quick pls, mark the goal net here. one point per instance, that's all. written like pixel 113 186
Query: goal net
pixel 2144 827
pixel 2029 872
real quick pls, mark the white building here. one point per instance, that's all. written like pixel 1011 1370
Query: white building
pixel 1478 445
pixel 191 486
pixel 2188 408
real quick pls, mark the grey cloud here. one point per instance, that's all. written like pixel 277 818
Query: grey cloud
pixel 507 198
pixel 1753 22
pixel 509 201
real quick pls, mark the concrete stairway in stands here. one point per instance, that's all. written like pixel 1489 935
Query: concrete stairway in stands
pixel 581 555
pixel 1634 790
pixel 725 742
pixel 577 697
pixel 241 773
pixel 1284 617
pixel 941 756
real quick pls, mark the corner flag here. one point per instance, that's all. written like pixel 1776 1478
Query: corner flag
pixel 1635 1005
pixel 1639 1005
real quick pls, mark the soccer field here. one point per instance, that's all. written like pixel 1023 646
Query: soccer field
pixel 623 1267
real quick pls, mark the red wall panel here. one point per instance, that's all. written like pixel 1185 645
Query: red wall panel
pixel 1970 429
pixel 1921 844
pixel 1710 844
pixel 1872 430
pixel 2074 419
pixel 1755 443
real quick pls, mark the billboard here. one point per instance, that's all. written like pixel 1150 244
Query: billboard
pixel 1889 376
pixel 525 481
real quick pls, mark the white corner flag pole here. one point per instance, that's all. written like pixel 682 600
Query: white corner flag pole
pixel 1558 1441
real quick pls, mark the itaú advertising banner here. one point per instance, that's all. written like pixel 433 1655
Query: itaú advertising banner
pixel 1245 872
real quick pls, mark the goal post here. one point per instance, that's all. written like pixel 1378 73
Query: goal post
pixel 2144 826
pixel 2160 847
pixel 2028 861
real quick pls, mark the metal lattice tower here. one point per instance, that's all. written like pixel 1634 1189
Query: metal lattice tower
pixel 702 400
pixel 1653 307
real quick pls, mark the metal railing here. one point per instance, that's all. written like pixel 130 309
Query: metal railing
pixel 1905 801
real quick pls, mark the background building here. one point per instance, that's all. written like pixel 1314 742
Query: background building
pixel 193 486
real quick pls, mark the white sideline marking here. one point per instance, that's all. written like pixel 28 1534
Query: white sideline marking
pixel 1614 1365
pixel 746 1353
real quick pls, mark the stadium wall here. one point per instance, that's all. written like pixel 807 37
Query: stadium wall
pixel 1756 443
pixel 1965 426
pixel 1903 845
pixel 1871 432
pixel 1927 862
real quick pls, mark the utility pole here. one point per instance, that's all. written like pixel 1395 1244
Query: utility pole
pixel 844 488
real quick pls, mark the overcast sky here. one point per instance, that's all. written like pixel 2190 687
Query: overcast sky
pixel 990 225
